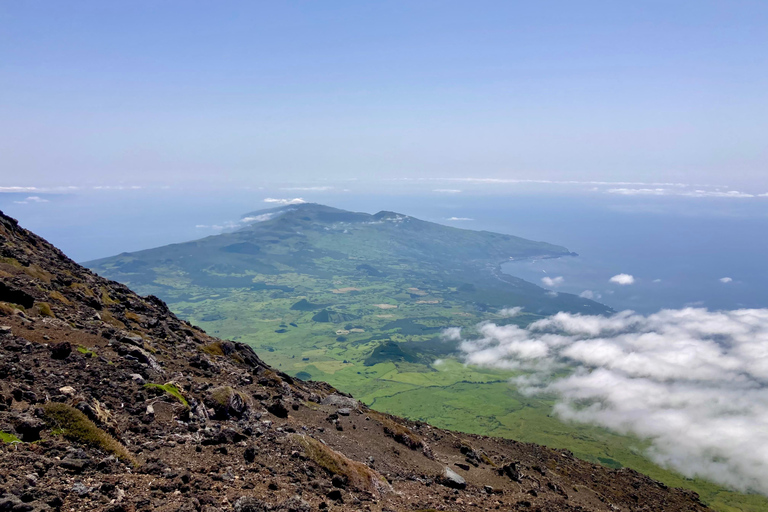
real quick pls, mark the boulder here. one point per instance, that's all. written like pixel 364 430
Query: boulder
pixel 451 479
pixel 226 403
pixel 340 401
pixel 61 350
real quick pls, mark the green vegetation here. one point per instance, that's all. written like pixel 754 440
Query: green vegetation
pixel 59 297
pixel 171 389
pixel 86 351
pixel 6 437
pixel 45 309
pixel 76 426
pixel 9 308
pixel 358 474
pixel 213 349
pixel 360 300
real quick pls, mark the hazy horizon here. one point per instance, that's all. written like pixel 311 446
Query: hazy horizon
pixel 161 94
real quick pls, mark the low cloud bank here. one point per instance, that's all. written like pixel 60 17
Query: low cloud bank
pixel 693 382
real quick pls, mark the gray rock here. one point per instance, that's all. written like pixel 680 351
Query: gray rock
pixel 9 502
pixel 340 401
pixel 452 479
pixel 81 489
pixel 344 411
pixel 249 504
pixel 145 357
pixel 294 504
pixel 138 379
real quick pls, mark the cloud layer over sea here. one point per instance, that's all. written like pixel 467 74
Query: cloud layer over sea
pixel 692 381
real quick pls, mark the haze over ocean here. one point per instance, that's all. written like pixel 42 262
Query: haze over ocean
pixel 681 251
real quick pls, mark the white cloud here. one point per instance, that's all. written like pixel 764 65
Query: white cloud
pixel 691 381
pixel 39 190
pixel 678 192
pixel 623 279
pixel 726 280
pixel 257 218
pixel 309 189
pixel 459 218
pixel 452 334
pixel 509 312
pixel 589 294
pixel 447 190
pixel 657 280
pixel 296 200
pixel 553 282
pixel 32 199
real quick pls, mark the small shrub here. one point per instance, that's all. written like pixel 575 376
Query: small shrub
pixel 171 389
pixel 76 426
pixel 357 474
pixel 59 297
pixel 45 309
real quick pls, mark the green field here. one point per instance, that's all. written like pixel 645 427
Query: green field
pixel 360 301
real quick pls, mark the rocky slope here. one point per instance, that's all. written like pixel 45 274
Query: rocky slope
pixel 109 402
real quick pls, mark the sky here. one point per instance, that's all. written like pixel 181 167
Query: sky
pixel 231 94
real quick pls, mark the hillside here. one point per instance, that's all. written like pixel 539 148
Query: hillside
pixel 109 402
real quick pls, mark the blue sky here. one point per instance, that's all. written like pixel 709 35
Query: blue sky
pixel 243 93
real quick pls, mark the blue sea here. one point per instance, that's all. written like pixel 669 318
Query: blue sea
pixel 680 251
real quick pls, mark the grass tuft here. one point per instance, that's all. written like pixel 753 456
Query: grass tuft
pixel 76 426
pixel 5 437
pixel 83 288
pixel 9 308
pixel 45 309
pixel 130 315
pixel 11 261
pixel 105 298
pixel 86 351
pixel 59 297
pixel 171 389
pixel 398 432
pixel 213 349
pixel 357 474
pixel 109 318
pixel 38 273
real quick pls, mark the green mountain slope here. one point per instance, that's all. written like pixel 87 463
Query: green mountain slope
pixel 308 248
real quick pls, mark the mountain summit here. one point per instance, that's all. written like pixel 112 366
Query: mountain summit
pixel 109 402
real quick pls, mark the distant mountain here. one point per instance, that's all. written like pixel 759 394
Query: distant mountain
pixel 329 244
